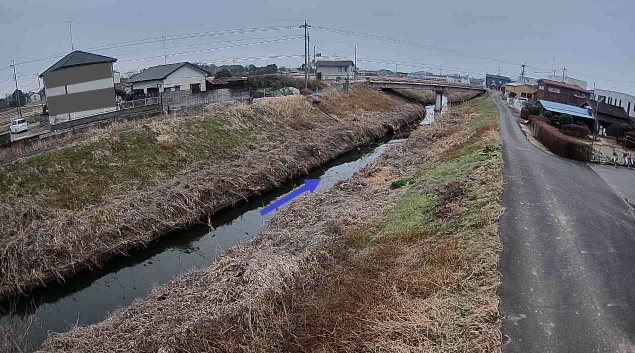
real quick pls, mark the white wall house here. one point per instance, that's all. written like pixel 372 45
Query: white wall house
pixel 617 99
pixel 171 77
pixel 337 70
pixel 79 85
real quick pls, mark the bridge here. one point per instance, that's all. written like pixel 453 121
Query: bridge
pixel 438 87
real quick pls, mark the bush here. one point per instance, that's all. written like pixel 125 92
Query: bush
pixel 561 144
pixel 524 113
pixel 280 81
pixel 306 92
pixel 575 130
pixel 533 110
pixel 548 114
pixel 565 119
pixel 618 130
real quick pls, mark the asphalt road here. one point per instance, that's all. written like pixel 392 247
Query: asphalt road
pixel 568 258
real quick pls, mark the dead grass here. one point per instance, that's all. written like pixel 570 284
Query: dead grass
pixel 73 209
pixel 359 267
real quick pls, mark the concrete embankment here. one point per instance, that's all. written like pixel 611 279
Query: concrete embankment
pixel 400 256
pixel 262 146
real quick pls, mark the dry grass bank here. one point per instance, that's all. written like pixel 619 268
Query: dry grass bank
pixel 399 258
pixel 75 207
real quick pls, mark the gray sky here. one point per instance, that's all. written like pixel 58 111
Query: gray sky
pixel 594 39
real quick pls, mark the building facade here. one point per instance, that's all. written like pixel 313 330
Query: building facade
pixel 617 99
pixel 519 90
pixel 561 92
pixel 79 85
pixel 496 82
pixel 607 114
pixel 336 70
pixel 169 78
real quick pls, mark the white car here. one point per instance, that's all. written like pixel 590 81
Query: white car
pixel 18 125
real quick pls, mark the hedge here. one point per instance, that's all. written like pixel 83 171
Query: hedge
pixel 618 130
pixel 575 130
pixel 561 144
pixel 524 113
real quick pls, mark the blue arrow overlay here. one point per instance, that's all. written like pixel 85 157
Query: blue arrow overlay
pixel 309 184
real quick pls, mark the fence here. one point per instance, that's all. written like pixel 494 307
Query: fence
pixel 184 99
pixel 138 103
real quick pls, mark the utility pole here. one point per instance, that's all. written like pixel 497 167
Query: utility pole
pixel 165 52
pixel 355 68
pixel 306 54
pixel 499 71
pixel 70 28
pixel 17 90
pixel 39 89
pixel 396 74
pixel 564 69
pixel 313 64
pixel 553 66
pixel 522 74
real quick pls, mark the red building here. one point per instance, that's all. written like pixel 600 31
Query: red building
pixel 561 92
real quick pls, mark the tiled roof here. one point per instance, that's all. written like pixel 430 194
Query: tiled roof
pixel 162 71
pixel 79 58
pixel 564 85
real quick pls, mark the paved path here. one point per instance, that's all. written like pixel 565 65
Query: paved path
pixel 568 259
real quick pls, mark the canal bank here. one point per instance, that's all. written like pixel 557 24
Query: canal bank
pixel 56 245
pixel 383 259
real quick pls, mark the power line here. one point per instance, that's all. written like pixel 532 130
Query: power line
pixel 210 49
pixel 410 43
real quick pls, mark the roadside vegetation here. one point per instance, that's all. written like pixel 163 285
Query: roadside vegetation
pixel 399 258
pixel 74 207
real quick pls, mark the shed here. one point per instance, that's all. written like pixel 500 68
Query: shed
pixel 607 114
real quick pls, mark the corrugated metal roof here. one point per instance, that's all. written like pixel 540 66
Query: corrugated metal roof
pixel 78 58
pixel 565 109
pixel 160 72
pixel 335 63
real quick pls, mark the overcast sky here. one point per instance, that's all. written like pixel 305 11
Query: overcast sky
pixel 594 39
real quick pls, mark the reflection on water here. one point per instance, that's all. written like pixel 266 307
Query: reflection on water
pixel 89 297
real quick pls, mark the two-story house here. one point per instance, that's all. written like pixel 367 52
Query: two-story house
pixel 336 70
pixel 561 92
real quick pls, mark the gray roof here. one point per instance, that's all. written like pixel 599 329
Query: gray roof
pixel 79 58
pixel 335 63
pixel 162 71
pixel 608 109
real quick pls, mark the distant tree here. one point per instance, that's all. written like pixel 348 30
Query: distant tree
pixel 18 94
pixel 223 74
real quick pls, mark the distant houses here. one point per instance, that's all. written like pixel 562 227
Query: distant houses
pixel 335 70
pixel 519 90
pixel 496 82
pixel 171 77
pixel 78 85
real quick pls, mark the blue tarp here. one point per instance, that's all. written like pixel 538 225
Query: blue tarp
pixel 565 109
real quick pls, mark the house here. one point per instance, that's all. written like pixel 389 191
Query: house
pixel 335 69
pixel 33 97
pixel 496 82
pixel 171 77
pixel 569 80
pixel 617 99
pixel 561 92
pixel 607 114
pixel 577 113
pixel 79 85
pixel 519 90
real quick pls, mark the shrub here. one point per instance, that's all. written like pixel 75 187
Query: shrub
pixel 561 144
pixel 306 92
pixel 533 110
pixel 544 119
pixel 548 114
pixel 524 113
pixel 575 130
pixel 618 130
pixel 565 119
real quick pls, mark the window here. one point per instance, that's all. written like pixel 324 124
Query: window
pixel 542 88
pixel 620 102
pixel 579 95
pixel 339 69
pixel 346 69
pixel 177 88
pixel 553 89
pixel 629 108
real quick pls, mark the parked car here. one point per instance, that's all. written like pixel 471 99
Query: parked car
pixel 18 125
